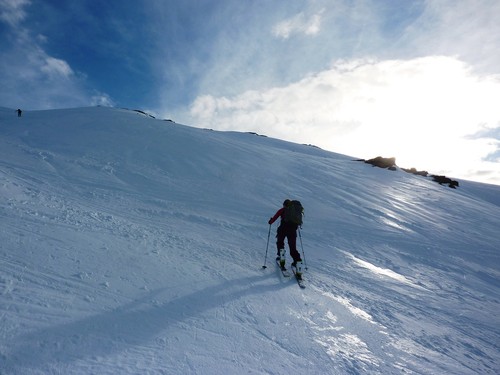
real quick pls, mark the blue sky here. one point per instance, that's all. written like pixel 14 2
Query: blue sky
pixel 414 79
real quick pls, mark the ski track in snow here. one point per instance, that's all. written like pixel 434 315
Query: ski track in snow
pixel 134 246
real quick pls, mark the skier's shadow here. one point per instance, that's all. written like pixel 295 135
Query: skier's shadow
pixel 127 326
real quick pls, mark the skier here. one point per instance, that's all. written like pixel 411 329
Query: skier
pixel 288 229
pixel 19 112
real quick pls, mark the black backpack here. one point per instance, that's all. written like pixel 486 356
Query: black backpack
pixel 293 212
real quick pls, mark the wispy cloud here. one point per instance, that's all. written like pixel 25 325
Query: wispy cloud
pixel 102 99
pixel 55 67
pixel 33 78
pixel 299 24
pixel 12 11
pixel 467 29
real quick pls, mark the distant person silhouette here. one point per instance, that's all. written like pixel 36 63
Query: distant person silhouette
pixel 19 113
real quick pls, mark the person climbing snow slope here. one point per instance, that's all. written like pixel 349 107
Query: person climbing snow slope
pixel 291 218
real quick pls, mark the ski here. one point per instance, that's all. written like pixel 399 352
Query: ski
pixel 283 269
pixel 299 278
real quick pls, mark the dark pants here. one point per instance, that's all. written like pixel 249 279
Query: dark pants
pixel 288 231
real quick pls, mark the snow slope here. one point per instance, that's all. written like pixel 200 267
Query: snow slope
pixel 130 245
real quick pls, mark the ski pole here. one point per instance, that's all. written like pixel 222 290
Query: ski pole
pixel 267 246
pixel 303 253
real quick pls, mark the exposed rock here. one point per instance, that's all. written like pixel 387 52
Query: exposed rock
pixel 390 163
pixel 379 161
pixel 445 180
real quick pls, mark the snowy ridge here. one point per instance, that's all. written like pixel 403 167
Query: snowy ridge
pixel 133 245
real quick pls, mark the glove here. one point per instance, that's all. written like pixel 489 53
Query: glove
pixel 270 221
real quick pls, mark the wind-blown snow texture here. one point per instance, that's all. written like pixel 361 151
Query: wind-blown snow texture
pixel 130 245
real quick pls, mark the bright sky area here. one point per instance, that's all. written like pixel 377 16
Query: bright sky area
pixel 418 80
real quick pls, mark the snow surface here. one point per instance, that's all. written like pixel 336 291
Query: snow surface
pixel 131 245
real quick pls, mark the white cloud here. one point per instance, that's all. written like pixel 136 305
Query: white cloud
pixel 56 67
pixel 12 11
pixel 422 111
pixel 299 24
pixel 101 99
pixel 31 77
pixel 468 29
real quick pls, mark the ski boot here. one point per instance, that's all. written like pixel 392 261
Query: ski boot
pixel 282 258
pixel 298 268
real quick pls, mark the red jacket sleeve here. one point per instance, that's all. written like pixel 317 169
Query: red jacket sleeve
pixel 276 215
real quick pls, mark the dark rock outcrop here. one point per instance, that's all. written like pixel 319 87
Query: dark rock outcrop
pixel 445 180
pixel 390 163
pixel 379 161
